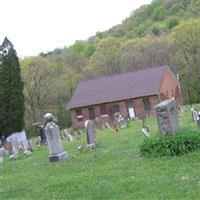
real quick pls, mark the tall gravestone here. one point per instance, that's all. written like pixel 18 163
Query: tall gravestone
pixel 14 146
pixel 198 120
pixel 167 117
pixel 56 150
pixel 195 116
pixel 90 134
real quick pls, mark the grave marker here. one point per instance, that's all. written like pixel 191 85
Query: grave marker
pixel 167 117
pixel 90 134
pixel 56 150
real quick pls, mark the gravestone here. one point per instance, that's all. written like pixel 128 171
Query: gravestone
pixel 56 150
pixel 198 120
pixel 22 142
pixel 167 117
pixel 14 147
pixel 120 120
pixel 68 136
pixel 90 134
pixel 195 116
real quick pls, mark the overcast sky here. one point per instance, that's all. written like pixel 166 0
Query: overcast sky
pixel 35 26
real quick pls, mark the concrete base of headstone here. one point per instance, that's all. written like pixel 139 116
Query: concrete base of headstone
pixel 91 146
pixel 27 153
pixel 60 157
pixel 13 157
pixel 122 126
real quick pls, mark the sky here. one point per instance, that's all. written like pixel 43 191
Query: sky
pixel 35 26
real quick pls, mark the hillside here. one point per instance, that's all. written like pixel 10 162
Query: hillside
pixel 163 33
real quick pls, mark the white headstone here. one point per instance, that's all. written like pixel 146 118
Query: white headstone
pixel 68 136
pixel 195 115
pixel 198 120
pixel 14 145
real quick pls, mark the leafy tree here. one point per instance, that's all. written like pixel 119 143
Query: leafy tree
pixel 185 45
pixel 105 60
pixel 11 91
pixel 145 52
pixel 37 74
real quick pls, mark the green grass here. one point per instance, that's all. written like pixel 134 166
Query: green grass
pixel 114 170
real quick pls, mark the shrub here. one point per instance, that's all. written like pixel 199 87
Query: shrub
pixel 172 22
pixel 182 142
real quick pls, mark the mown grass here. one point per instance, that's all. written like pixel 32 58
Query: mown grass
pixel 114 170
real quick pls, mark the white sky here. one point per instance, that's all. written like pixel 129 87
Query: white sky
pixel 35 26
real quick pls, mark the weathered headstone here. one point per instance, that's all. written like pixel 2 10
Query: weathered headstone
pixel 167 117
pixel 22 142
pixel 120 120
pixel 56 150
pixel 195 116
pixel 198 120
pixel 90 134
pixel 14 146
pixel 68 136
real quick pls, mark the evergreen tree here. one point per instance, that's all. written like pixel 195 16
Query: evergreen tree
pixel 11 91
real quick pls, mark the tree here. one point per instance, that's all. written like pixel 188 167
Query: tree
pixel 146 52
pixel 38 77
pixel 105 60
pixel 11 91
pixel 185 45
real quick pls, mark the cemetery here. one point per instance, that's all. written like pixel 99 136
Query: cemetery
pixel 115 116
pixel 114 169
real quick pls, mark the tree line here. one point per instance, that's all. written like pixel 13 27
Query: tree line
pixel 163 33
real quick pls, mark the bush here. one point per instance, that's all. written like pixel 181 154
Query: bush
pixel 182 142
pixel 172 22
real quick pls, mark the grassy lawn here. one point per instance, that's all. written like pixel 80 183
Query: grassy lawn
pixel 114 170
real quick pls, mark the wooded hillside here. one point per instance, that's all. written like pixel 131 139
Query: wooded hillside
pixel 166 32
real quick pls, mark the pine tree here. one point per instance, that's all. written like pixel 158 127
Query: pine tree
pixel 11 91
